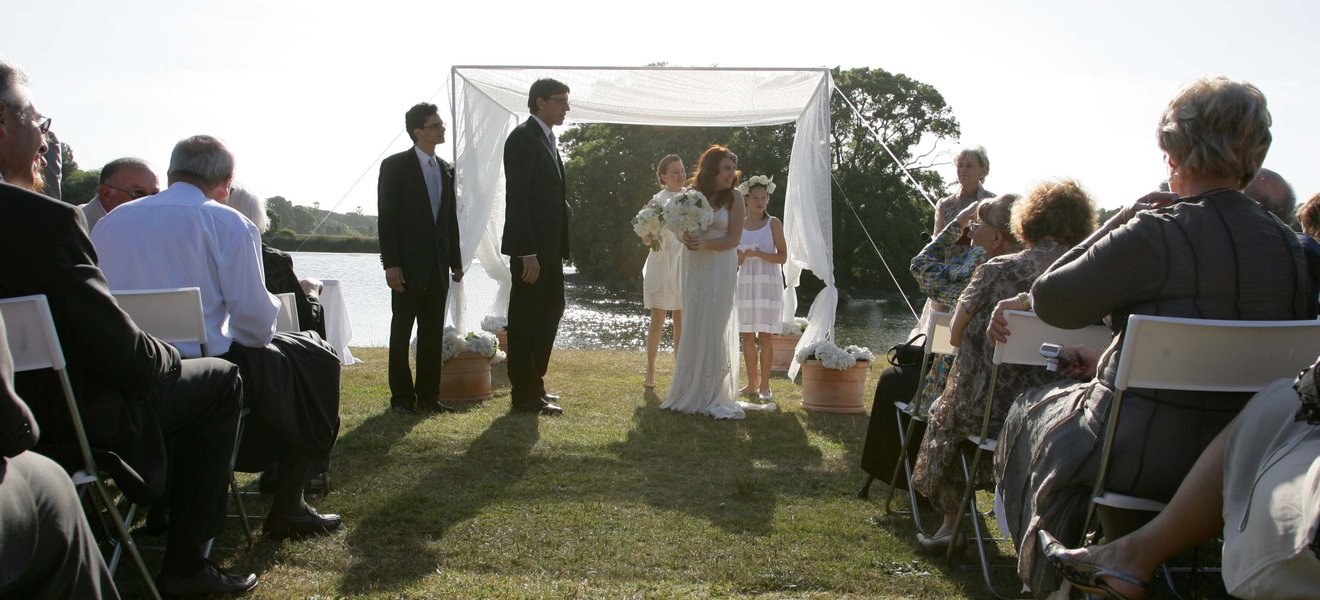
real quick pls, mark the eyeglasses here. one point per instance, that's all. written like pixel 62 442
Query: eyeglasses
pixel 436 125
pixel 559 100
pixel 135 194
pixel 42 123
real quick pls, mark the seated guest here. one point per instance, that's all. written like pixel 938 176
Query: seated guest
pixel 137 397
pixel 1254 485
pixel 46 547
pixel 1048 221
pixel 1273 192
pixel 1308 216
pixel 280 278
pixel 1209 252
pixel 181 237
pixel 122 180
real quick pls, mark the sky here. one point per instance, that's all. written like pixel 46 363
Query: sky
pixel 310 96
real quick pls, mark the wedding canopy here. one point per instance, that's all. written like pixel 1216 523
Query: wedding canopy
pixel 488 102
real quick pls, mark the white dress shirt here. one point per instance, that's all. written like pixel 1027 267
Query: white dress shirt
pixel 179 238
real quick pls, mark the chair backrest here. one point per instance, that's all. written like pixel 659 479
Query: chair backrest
pixel 938 334
pixel 1029 332
pixel 287 319
pixel 30 332
pixel 1212 355
pixel 173 315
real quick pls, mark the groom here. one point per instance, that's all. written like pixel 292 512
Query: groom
pixel 536 241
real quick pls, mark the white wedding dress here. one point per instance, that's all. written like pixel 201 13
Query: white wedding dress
pixel 706 371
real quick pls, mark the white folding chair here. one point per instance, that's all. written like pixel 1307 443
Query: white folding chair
pixel 287 319
pixel 34 344
pixel 1022 348
pixel 175 317
pixel 938 343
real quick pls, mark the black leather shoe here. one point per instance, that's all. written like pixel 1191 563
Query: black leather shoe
pixel 299 526
pixel 403 410
pixel 208 582
pixel 551 398
pixel 435 406
pixel 544 408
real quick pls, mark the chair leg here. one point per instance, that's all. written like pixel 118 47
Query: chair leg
pixel 865 492
pixel 233 481
pixel 904 435
pixel 980 532
pixel 125 539
pixel 968 498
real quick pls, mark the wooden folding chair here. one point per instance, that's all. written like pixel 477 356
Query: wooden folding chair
pixel 1022 348
pixel 175 317
pixel 1206 355
pixel 938 343
pixel 287 319
pixel 34 344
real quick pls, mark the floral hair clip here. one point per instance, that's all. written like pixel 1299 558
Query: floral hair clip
pixel 757 181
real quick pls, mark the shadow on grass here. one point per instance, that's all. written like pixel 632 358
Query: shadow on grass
pixel 400 531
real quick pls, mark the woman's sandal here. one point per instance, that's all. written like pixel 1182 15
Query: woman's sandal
pixel 1086 576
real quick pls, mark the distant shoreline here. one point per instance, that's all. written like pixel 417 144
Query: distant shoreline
pixel 347 244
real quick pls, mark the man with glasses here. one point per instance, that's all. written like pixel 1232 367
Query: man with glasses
pixel 122 180
pixel 22 131
pixel 418 225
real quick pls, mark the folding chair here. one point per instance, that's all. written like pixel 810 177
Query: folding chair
pixel 175 317
pixel 938 342
pixel 1022 348
pixel 34 344
pixel 1207 355
pixel 287 319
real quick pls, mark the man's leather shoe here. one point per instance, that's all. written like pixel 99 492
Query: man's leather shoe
pixel 551 398
pixel 403 410
pixel 435 406
pixel 544 408
pixel 309 523
pixel 208 582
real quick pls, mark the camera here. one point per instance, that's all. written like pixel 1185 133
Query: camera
pixel 1057 358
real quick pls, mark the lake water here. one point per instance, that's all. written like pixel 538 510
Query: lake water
pixel 596 316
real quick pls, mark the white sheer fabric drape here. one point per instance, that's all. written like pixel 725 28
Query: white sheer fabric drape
pixel 490 101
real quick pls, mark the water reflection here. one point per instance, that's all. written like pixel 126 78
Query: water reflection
pixel 596 316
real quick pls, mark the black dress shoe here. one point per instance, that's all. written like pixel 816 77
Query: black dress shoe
pixel 435 406
pixel 551 398
pixel 544 408
pixel 403 410
pixel 309 523
pixel 208 582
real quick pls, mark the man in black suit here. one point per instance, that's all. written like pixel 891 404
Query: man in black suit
pixel 418 219
pixel 136 396
pixel 536 240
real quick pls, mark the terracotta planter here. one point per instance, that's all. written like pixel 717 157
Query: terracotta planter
pixel 785 346
pixel 832 390
pixel 465 378
pixel 503 336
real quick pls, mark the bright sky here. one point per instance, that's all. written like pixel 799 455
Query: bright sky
pixel 309 95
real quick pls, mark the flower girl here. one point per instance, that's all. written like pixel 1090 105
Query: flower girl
pixel 761 254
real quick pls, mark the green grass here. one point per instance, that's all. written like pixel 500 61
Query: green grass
pixel 615 499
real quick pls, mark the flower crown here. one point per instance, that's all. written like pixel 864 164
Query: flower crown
pixel 757 181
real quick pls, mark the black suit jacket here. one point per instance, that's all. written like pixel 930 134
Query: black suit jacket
pixel 410 238
pixel 18 429
pixel 536 209
pixel 110 361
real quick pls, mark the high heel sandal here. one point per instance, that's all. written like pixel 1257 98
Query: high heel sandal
pixel 939 544
pixel 1086 576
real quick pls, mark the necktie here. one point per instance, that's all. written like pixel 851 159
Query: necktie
pixel 554 153
pixel 433 187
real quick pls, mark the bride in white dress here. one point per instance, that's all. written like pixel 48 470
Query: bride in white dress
pixel 705 370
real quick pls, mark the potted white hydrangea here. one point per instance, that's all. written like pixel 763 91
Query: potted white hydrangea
pixel 499 326
pixel 785 343
pixel 465 376
pixel 834 378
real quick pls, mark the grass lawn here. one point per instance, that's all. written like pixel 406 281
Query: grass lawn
pixel 615 499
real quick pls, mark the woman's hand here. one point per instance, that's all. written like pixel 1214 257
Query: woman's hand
pixel 692 243
pixel 1150 201
pixel 646 240
pixel 1084 365
pixel 966 215
pixel 997 330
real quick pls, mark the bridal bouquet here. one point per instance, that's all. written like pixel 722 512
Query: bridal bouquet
pixel 688 213
pixel 834 357
pixel 649 222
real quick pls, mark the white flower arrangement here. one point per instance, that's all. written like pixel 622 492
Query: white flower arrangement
pixel 757 181
pixel 494 323
pixel 688 213
pixel 649 222
pixel 794 328
pixel 834 357
pixel 481 342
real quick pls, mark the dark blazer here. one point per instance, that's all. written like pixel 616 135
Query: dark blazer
pixel 281 279
pixel 536 209
pixel 110 361
pixel 18 429
pixel 409 237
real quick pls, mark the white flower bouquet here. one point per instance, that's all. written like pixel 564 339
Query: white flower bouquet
pixel 494 323
pixel 757 181
pixel 834 357
pixel 481 342
pixel 649 222
pixel 794 328
pixel 688 213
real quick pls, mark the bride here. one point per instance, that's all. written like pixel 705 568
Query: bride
pixel 705 370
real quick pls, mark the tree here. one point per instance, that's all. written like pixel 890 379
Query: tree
pixel 80 186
